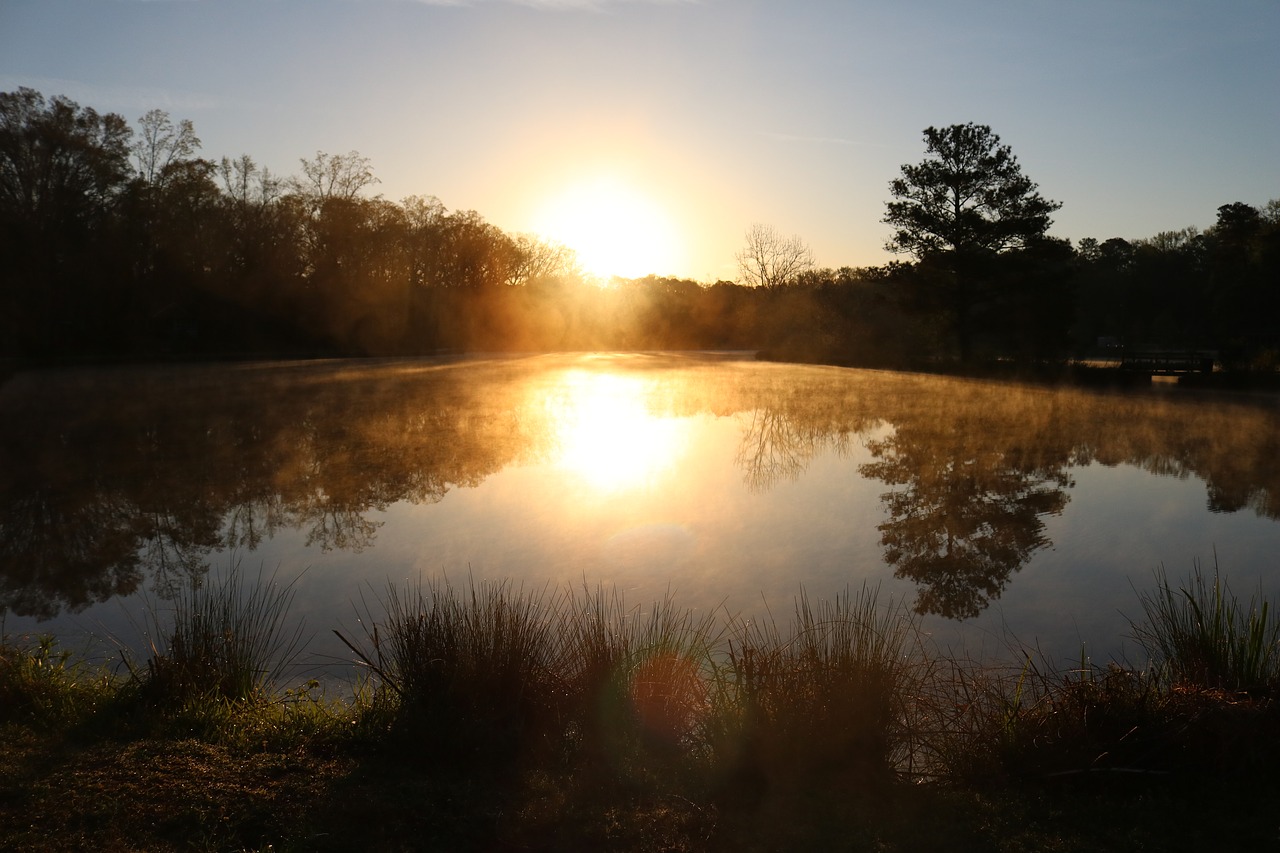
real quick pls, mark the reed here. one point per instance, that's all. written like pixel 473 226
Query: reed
pixel 1006 725
pixel 829 698
pixel 229 641
pixel 1199 635
pixel 845 694
pixel 637 682
pixel 473 672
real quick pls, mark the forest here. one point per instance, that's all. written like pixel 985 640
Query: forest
pixel 121 242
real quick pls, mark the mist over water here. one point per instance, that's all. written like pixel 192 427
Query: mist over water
pixel 998 511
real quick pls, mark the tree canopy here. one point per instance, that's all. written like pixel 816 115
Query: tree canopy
pixel 956 211
pixel 127 242
pixel 968 195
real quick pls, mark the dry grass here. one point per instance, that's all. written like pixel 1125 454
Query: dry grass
pixel 496 718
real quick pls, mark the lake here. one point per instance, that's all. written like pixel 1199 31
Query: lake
pixel 1002 513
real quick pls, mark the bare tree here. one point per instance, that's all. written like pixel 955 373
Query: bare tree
pixel 246 183
pixel 770 260
pixel 541 259
pixel 340 176
pixel 161 143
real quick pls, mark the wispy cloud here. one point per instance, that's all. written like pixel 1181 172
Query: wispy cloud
pixel 536 4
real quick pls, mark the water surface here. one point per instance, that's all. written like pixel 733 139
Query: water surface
pixel 997 511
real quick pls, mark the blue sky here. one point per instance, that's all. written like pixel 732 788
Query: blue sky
pixel 683 123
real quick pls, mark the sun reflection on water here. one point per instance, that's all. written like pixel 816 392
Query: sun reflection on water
pixel 606 435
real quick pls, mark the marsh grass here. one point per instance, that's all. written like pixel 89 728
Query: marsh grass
pixel 1204 708
pixel 636 684
pixel 1201 636
pixel 829 698
pixel 230 641
pixel 471 673
pixel 497 675
pixel 1003 725
pixel 499 683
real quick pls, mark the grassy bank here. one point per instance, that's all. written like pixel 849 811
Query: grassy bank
pixel 491 717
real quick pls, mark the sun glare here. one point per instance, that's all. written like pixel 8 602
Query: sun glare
pixel 606 435
pixel 614 229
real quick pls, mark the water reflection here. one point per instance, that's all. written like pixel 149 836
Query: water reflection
pixel 116 480
pixel 603 432
pixel 964 516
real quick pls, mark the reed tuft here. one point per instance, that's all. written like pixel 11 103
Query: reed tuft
pixel 229 642
pixel 829 699
pixel 1201 636
pixel 472 672
pixel 636 681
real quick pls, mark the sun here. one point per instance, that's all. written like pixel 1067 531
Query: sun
pixel 615 229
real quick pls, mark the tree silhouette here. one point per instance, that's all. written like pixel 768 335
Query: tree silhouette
pixel 62 170
pixel 161 143
pixel 959 208
pixel 327 176
pixel 770 260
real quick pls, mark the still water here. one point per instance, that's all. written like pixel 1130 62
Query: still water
pixel 1002 513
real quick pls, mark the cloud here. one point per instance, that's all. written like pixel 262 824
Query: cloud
pixel 555 5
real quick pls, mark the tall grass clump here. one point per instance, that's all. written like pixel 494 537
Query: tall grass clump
pixel 827 700
pixel 1200 636
pixel 229 642
pixel 473 673
pixel 636 683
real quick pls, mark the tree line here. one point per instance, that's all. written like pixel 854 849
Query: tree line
pixel 122 241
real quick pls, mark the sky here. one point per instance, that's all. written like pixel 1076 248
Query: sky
pixel 651 134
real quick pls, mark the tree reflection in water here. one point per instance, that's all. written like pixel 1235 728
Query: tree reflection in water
pixel 110 479
pixel 964 519
pixel 965 513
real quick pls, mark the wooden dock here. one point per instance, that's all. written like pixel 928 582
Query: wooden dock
pixel 1168 362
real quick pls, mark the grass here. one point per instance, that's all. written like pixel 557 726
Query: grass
pixel 826 698
pixel 463 676
pixel 47 686
pixel 494 717
pixel 1199 635
pixel 229 642
pixel 636 681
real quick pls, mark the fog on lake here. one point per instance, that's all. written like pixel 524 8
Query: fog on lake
pixel 998 511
